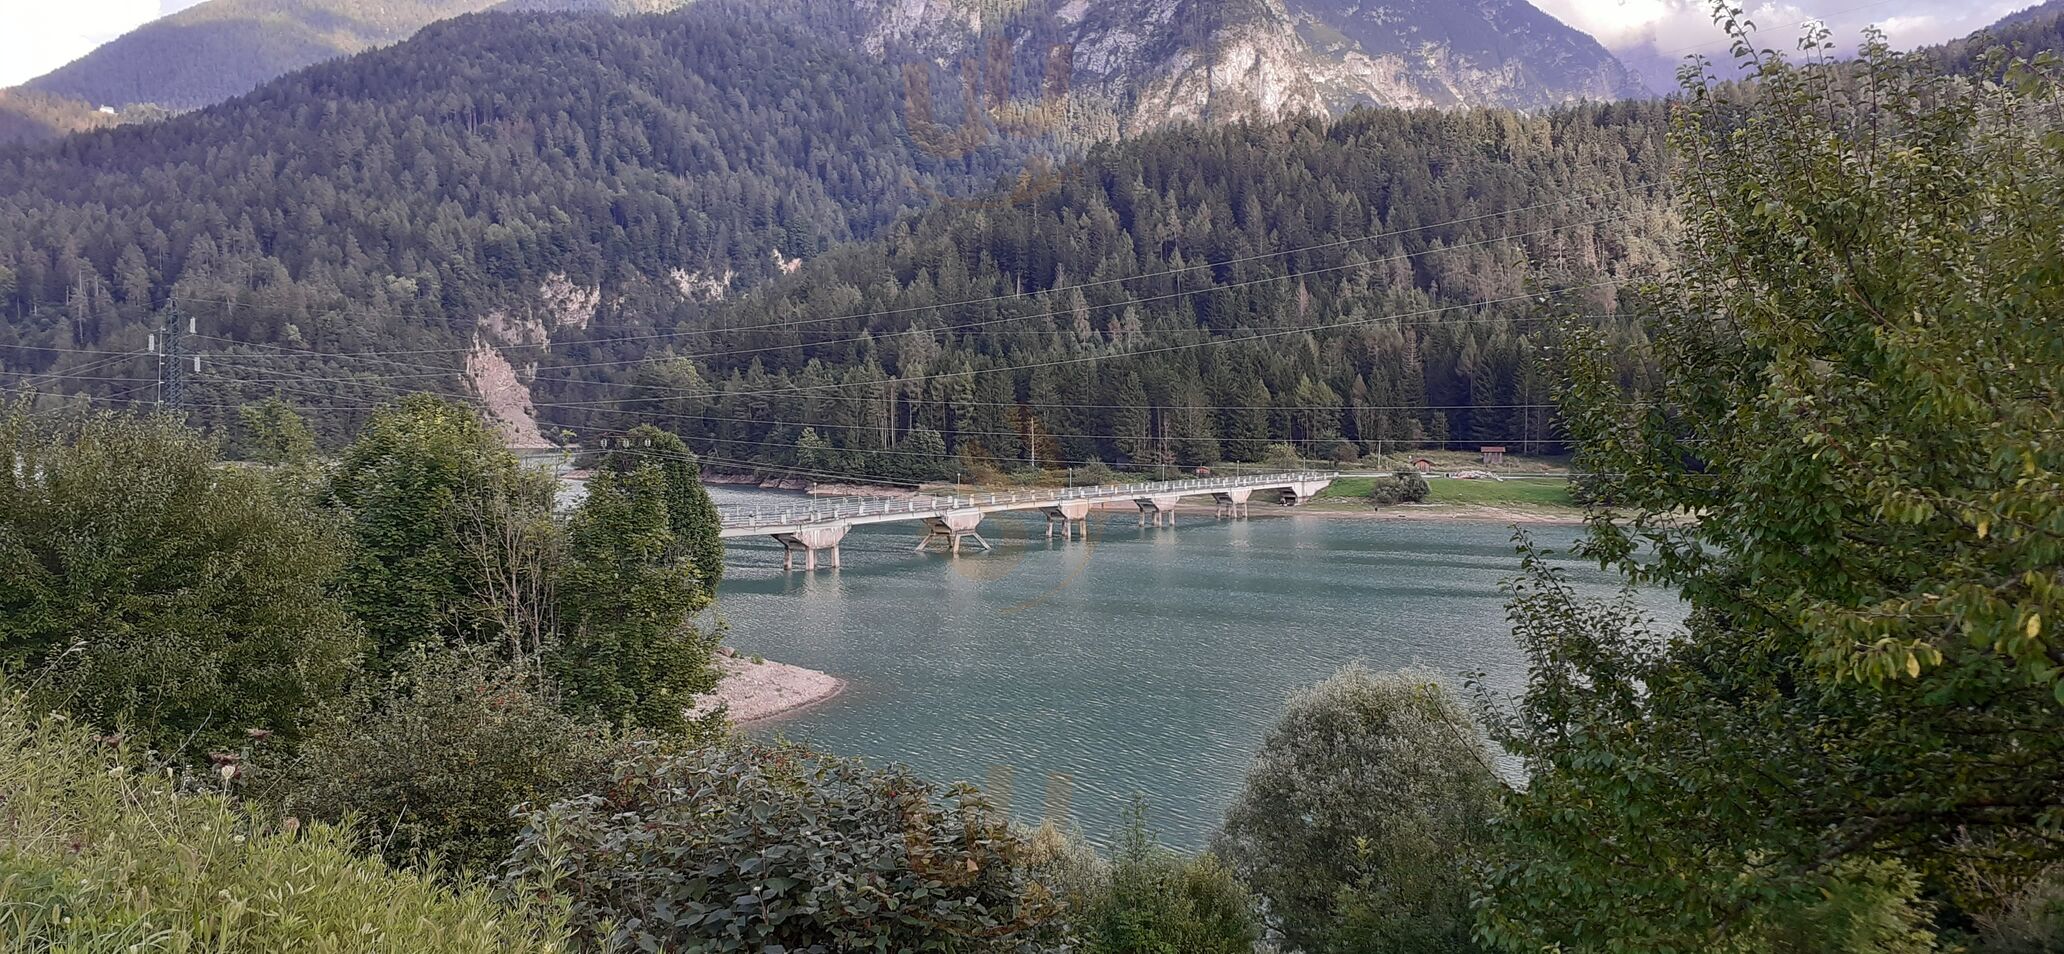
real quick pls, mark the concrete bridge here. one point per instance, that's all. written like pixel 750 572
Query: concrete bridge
pixel 819 526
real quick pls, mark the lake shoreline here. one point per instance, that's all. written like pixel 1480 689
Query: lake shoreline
pixel 754 692
pixel 1474 513
pixel 1328 507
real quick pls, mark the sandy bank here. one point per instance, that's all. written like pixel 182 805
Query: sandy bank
pixel 764 690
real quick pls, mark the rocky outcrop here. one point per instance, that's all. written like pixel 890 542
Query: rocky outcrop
pixel 502 386
pixel 697 286
pixel 1150 62
pixel 505 395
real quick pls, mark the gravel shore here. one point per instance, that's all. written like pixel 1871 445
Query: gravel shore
pixel 756 691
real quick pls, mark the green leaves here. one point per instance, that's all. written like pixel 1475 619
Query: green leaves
pixel 1849 469
pixel 627 652
pixel 1361 815
pixel 145 587
pixel 749 847
pixel 434 504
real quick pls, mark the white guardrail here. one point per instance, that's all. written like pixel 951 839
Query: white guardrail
pixel 849 508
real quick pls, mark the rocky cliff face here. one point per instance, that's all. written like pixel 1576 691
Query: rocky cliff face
pixel 1134 64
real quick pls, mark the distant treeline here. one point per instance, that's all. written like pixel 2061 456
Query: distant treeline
pixel 1389 280
pixel 1386 280
pixel 391 200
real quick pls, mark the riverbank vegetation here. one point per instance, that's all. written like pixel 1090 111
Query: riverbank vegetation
pixel 398 704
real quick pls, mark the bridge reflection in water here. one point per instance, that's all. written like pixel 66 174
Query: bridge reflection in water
pixel 819 526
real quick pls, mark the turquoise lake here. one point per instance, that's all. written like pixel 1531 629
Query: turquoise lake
pixel 1072 677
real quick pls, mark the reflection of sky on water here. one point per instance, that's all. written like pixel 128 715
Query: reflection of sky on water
pixel 1146 661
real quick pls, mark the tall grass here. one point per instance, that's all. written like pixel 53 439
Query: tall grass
pixel 101 854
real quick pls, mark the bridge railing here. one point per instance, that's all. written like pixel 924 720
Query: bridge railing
pixel 848 508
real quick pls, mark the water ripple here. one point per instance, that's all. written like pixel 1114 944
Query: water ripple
pixel 1142 662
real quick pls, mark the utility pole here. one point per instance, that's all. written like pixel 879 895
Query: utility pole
pixel 170 345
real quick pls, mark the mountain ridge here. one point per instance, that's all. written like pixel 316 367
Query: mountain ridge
pixel 1145 61
pixel 211 51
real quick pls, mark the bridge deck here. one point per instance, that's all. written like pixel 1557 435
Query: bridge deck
pixel 754 520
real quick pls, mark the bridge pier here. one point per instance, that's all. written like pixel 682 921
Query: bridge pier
pixel 953 527
pixel 1160 508
pixel 1232 504
pixel 809 541
pixel 1302 491
pixel 817 528
pixel 1068 515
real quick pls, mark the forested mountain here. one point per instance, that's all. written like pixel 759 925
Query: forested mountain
pixel 1140 311
pixel 513 172
pixel 218 49
pixel 1128 65
pixel 2023 34
pixel 27 115
pixel 211 51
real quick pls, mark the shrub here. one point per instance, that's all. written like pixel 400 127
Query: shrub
pixel 151 589
pixel 1282 457
pixel 1092 473
pixel 99 854
pixel 2031 921
pixel 1360 815
pixel 435 760
pixel 1405 486
pixel 751 846
pixel 1152 900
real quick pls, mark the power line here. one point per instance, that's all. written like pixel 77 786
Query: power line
pixel 1217 264
pixel 872 452
pixel 656 389
pixel 1066 312
pixel 1166 409
pixel 1092 358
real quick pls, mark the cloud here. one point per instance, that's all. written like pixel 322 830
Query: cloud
pixel 37 36
pixel 1653 36
pixel 1682 26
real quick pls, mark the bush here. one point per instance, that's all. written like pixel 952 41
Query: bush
pixel 153 590
pixel 1092 473
pixel 98 854
pixel 1405 486
pixel 1282 457
pixel 2030 922
pixel 751 846
pixel 1360 816
pixel 435 760
pixel 1152 900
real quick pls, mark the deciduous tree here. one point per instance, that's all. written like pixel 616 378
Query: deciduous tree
pixel 145 587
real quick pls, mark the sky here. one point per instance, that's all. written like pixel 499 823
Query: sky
pixel 1653 36
pixel 37 36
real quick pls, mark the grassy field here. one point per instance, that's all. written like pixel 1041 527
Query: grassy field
pixel 1348 492
pixel 1539 492
pixel 1347 488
